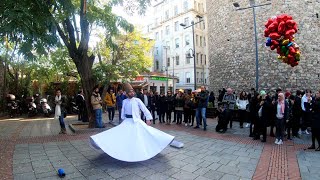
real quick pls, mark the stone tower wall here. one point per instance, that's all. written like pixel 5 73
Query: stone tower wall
pixel 232 46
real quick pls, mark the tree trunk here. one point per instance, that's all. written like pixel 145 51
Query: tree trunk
pixel 85 71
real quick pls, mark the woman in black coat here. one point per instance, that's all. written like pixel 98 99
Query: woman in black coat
pixel 315 124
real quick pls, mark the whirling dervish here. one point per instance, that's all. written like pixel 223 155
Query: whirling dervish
pixel 133 140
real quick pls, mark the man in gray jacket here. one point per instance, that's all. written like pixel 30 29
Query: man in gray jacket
pixel 229 101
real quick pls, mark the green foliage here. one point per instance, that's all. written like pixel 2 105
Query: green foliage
pixel 125 59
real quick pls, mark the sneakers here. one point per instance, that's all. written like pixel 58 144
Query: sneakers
pixel 279 142
pixel 186 124
pixel 307 132
pixel 300 132
pixel 247 125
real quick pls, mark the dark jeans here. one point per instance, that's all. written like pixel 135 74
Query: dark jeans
pixel 111 113
pixel 306 119
pixel 168 113
pixel 295 125
pixel 61 121
pixel 242 116
pixel 179 116
pixel 98 113
pixel 80 113
pixel 315 135
pixel 192 116
pixel 280 124
pixel 187 115
pixel 153 113
pixel 201 112
pixel 161 116
pixel 119 109
pixel 229 116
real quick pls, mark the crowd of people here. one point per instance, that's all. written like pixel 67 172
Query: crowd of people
pixel 285 114
pixel 186 106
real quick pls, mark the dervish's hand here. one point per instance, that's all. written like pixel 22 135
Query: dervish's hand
pixel 149 122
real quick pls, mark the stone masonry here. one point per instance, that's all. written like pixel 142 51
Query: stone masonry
pixel 232 45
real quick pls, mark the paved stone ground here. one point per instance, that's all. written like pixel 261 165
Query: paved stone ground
pixel 31 149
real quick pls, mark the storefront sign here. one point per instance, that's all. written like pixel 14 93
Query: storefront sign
pixel 159 78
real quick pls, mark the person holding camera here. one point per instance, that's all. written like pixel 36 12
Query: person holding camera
pixel 60 110
pixel 202 99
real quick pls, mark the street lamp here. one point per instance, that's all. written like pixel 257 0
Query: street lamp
pixel 253 6
pixel 166 69
pixel 166 63
pixel 194 46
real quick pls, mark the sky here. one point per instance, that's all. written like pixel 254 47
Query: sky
pixel 135 19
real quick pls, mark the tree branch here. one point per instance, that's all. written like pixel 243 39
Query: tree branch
pixel 75 27
pixel 84 25
pixel 70 31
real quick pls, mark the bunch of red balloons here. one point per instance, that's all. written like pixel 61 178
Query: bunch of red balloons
pixel 280 32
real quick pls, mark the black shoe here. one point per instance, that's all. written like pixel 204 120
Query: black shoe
pixel 255 138
pixel 263 140
pixel 272 135
pixel 318 149
pixel 251 135
pixel 312 147
pixel 241 126
pixel 197 127
pixel 289 139
pixel 204 129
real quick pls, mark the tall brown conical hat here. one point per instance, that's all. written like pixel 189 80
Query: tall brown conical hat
pixel 127 87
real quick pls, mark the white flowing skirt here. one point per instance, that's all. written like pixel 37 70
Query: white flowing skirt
pixel 132 141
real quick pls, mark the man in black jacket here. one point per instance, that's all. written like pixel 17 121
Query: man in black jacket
pixel 202 99
pixel 296 112
pixel 80 101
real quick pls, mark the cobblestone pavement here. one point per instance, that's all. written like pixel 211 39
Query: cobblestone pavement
pixel 31 149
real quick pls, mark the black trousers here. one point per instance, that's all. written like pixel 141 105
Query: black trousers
pixel 161 116
pixel 168 113
pixel 306 120
pixel 295 125
pixel 242 116
pixel 187 115
pixel 315 135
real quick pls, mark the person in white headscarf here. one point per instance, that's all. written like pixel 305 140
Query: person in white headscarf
pixel 133 140
pixel 60 102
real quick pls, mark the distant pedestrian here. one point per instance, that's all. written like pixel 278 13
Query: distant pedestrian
pixel 110 101
pixel 119 99
pixel 96 103
pixel 60 110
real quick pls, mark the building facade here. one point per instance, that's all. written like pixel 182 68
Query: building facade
pixel 232 45
pixel 174 45
pixel 156 82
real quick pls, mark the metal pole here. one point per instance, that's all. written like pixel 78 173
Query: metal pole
pixel 256 43
pixel 173 74
pixel 167 87
pixel 194 58
pixel 202 74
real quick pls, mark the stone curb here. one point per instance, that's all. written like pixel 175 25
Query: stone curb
pixel 74 129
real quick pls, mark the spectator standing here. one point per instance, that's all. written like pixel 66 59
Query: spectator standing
pixel 179 104
pixel 96 103
pixel 60 110
pixel 110 101
pixel 119 99
pixel 229 101
pixel 282 112
pixel 242 103
pixel 306 113
pixel 202 99
pixel 315 125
